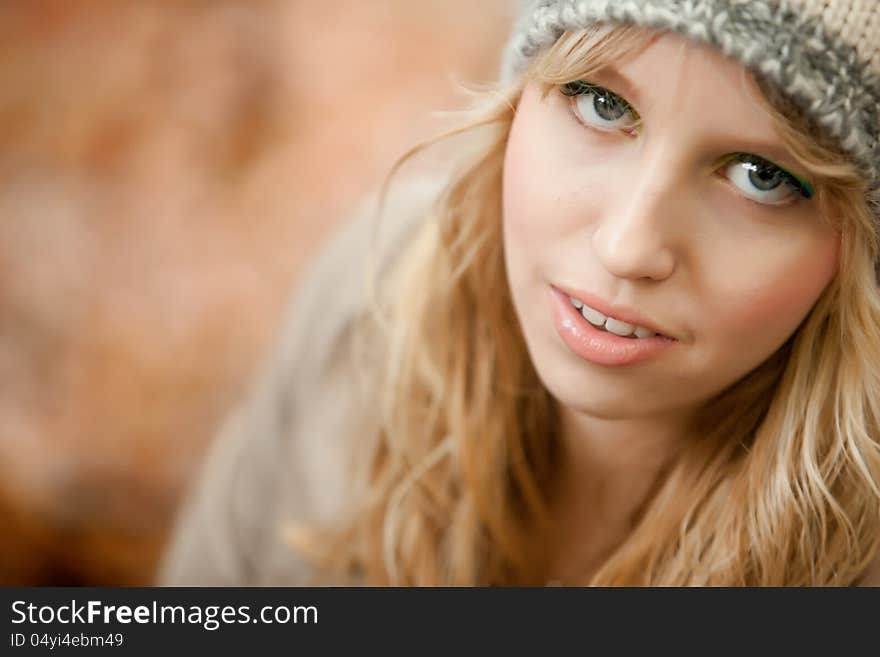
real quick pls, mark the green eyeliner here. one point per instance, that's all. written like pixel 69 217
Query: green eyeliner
pixel 808 188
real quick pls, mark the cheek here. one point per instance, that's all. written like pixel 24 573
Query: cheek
pixel 525 216
pixel 544 192
pixel 524 186
pixel 765 300
pixel 515 196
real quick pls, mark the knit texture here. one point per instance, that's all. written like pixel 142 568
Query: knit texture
pixel 823 54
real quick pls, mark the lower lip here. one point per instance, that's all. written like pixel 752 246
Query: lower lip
pixel 598 346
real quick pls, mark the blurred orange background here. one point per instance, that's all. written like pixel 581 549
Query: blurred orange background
pixel 167 168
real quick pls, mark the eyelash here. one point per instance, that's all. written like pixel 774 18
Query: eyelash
pixel 754 162
pixel 579 88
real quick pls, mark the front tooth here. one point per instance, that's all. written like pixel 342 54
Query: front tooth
pixel 644 333
pixel 594 317
pixel 619 328
pixel 576 303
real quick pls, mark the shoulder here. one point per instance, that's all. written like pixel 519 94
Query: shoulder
pixel 280 454
pixel 314 376
pixel 316 398
pixel 333 288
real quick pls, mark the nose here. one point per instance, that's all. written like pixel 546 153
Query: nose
pixel 638 235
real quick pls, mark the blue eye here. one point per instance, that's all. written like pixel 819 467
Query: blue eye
pixel 600 108
pixel 764 182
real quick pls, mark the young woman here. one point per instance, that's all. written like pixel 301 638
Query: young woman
pixel 634 340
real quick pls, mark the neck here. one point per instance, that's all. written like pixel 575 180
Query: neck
pixel 608 468
pixel 615 451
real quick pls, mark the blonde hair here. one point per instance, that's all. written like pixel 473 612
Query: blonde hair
pixel 781 488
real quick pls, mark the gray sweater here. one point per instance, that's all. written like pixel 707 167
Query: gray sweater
pixel 281 455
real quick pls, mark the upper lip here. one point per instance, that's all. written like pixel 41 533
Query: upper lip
pixel 615 311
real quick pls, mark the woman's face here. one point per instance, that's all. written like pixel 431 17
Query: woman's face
pixel 621 191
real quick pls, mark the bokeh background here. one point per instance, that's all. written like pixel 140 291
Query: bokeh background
pixel 167 169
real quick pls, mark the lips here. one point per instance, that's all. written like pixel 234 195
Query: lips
pixel 597 346
pixel 621 315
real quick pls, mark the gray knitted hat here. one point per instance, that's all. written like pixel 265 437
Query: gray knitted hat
pixel 823 54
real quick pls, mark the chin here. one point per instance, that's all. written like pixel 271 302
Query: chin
pixel 596 404
pixel 575 387
pixel 600 392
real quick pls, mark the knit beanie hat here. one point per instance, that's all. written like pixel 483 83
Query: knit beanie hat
pixel 824 55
